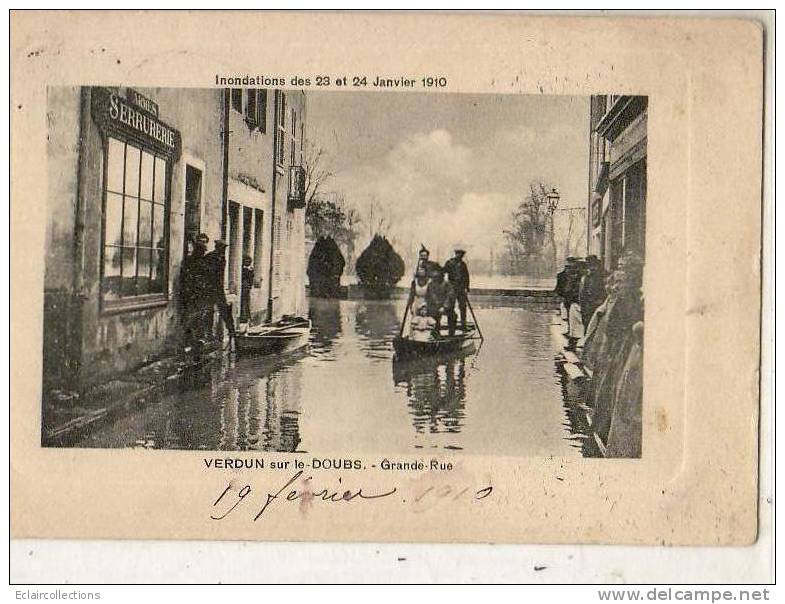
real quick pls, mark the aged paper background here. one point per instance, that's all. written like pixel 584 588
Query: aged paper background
pixel 697 480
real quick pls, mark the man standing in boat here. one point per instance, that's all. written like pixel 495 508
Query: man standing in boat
pixel 458 274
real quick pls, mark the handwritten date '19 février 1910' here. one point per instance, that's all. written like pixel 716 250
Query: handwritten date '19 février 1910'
pixel 231 497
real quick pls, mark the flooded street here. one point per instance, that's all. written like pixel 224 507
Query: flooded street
pixel 345 393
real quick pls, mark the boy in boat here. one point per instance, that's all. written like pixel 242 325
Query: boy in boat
pixel 440 297
pixel 422 325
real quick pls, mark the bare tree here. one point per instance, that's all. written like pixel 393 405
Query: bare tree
pixel 317 173
pixel 353 221
pixel 526 238
pixel 378 219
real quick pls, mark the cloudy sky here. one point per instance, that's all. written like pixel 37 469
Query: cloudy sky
pixel 448 168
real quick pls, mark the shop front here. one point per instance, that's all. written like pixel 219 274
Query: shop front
pixel 121 231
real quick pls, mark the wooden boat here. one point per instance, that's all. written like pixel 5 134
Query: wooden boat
pixel 405 347
pixel 287 335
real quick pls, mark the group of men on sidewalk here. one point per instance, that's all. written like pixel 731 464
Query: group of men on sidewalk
pixel 581 286
pixel 202 289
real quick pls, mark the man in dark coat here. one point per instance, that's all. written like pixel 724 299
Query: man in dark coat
pixel 193 288
pixel 246 284
pixel 215 264
pixel 566 285
pixel 592 289
pixel 458 274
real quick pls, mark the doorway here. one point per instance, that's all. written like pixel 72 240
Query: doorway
pixel 193 207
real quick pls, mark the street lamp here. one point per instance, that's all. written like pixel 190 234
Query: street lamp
pixel 553 200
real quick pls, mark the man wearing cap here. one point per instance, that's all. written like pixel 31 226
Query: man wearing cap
pixel 562 288
pixel 592 288
pixel 215 263
pixel 194 284
pixel 458 274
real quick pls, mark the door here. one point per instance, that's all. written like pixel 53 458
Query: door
pixel 193 207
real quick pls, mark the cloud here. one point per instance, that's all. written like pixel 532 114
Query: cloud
pixel 431 189
pixel 423 170
pixel 476 223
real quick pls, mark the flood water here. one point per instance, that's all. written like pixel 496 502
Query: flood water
pixel 345 394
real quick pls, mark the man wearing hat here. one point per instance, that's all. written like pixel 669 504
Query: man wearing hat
pixel 458 274
pixel 194 285
pixel 215 262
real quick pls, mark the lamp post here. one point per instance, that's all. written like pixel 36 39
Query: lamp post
pixel 552 200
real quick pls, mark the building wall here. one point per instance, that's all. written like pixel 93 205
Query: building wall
pixel 250 186
pixel 103 343
pixel 62 116
pixel 86 340
pixel 291 292
pixel 617 200
pixel 259 184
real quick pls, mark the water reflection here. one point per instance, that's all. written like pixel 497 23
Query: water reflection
pixel 336 396
pixel 377 323
pixel 325 315
pixel 575 413
pixel 232 406
pixel 436 391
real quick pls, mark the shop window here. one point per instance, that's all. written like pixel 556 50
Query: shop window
pixel 135 242
pixel 634 207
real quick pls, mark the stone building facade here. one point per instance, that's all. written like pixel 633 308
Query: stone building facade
pixel 617 176
pixel 133 174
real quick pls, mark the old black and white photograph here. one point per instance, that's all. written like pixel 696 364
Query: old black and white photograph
pixel 371 271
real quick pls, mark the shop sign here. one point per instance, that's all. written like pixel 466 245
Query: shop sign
pixel 142 102
pixel 115 114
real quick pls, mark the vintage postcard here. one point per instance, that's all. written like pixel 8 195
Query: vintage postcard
pixel 385 277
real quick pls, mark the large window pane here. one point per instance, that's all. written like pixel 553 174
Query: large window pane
pixel 132 170
pixel 115 162
pixel 130 221
pixel 145 224
pixel 157 262
pixel 158 226
pixel 135 245
pixel 146 183
pixel 114 219
pixel 128 286
pixel 143 274
pixel 112 263
pixel 160 180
